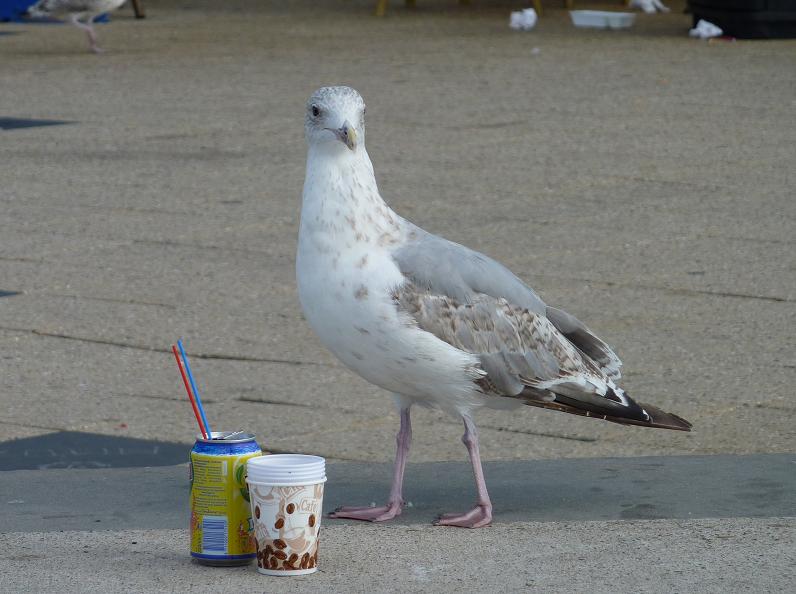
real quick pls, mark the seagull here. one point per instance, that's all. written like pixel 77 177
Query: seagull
pixel 81 13
pixel 435 323
pixel 649 6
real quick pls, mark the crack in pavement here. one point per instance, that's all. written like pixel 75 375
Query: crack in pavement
pixel 750 239
pixel 200 246
pixel 277 402
pixel 32 203
pixel 111 300
pixel 139 347
pixel 534 433
pixel 541 434
pixel 31 426
pixel 681 291
pixel 672 290
pixel 339 409
pixel 165 398
pixel 155 242
pixel 133 209
pixel 774 406
pixel 14 259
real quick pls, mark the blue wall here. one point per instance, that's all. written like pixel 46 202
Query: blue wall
pixel 12 10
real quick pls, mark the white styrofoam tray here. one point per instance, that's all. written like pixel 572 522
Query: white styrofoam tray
pixel 602 19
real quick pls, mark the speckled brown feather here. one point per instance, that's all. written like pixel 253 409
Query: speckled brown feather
pixel 519 350
pixel 490 326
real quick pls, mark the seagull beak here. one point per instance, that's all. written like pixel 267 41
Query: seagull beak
pixel 346 134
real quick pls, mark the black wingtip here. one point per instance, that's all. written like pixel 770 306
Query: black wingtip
pixel 656 418
pixel 665 420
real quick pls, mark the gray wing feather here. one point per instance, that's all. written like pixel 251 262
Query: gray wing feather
pixel 454 270
pixel 516 347
pixel 528 350
pixel 523 354
pixel 448 268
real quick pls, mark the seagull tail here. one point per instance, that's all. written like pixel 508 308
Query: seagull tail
pixel 655 417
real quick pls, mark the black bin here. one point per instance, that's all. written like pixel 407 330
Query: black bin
pixel 749 19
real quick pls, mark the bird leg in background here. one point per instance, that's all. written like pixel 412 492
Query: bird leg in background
pixel 92 37
pixel 481 514
pixel 395 502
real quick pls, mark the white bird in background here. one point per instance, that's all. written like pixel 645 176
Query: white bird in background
pixel 81 13
pixel 434 322
pixel 649 6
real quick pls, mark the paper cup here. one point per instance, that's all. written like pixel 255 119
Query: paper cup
pixel 286 496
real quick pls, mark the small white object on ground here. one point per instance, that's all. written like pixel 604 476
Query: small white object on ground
pixel 649 6
pixel 523 20
pixel 705 30
pixel 602 19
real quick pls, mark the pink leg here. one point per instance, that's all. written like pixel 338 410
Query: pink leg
pixel 395 502
pixel 481 514
pixel 92 37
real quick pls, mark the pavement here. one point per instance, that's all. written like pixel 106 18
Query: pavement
pixel 639 179
pixel 569 490
pixel 739 555
pixel 656 524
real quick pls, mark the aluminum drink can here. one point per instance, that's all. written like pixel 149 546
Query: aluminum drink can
pixel 222 532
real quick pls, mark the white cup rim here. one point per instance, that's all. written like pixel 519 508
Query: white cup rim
pixel 286 470
pixel 287 482
pixel 292 474
pixel 285 461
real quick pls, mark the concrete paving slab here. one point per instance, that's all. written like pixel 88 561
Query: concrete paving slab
pixel 685 487
pixel 653 556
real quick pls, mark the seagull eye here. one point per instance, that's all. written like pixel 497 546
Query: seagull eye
pixel 316 111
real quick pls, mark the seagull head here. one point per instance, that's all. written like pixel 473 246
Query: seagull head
pixel 335 119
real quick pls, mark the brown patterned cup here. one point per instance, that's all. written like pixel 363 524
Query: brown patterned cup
pixel 286 496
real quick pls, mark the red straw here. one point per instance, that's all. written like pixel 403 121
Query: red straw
pixel 188 389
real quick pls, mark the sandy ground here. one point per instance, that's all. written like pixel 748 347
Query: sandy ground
pixel 639 179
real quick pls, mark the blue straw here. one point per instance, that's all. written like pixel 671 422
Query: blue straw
pixel 195 391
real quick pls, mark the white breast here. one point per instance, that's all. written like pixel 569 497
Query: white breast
pixel 345 279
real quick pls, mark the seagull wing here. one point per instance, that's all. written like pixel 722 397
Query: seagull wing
pixel 447 268
pixel 520 346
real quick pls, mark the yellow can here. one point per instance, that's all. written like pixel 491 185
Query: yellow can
pixel 221 523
